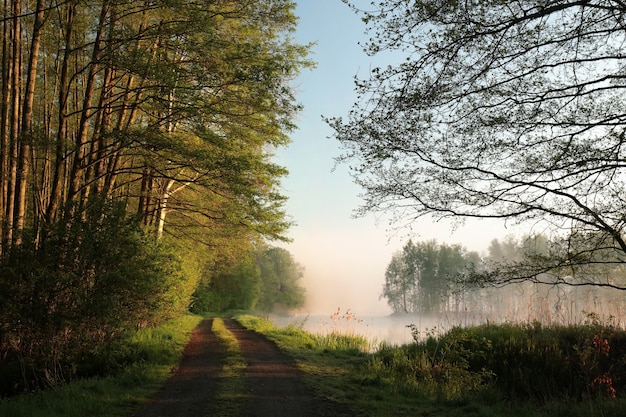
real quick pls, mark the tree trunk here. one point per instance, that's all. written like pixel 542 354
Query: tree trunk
pixel 145 193
pixel 77 176
pixel 56 192
pixel 26 133
pixel 4 124
pixel 101 150
pixel 14 119
pixel 162 208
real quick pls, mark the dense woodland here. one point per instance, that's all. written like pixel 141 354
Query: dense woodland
pixel 422 276
pixel 136 141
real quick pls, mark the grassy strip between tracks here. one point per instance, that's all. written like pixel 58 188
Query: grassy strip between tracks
pixel 230 398
pixel 488 371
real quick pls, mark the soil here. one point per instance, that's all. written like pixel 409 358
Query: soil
pixel 274 384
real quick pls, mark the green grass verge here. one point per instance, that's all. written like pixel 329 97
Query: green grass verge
pixel 447 376
pixel 150 354
pixel 457 373
pixel 330 362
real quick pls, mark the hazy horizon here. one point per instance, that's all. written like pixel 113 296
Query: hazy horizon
pixel 344 258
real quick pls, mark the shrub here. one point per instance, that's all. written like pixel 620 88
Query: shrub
pixel 68 303
pixel 521 362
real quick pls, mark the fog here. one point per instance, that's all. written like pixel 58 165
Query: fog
pixel 340 274
pixel 345 259
pixel 520 303
pixel 377 329
pixel 345 264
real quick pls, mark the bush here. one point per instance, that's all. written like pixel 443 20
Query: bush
pixel 520 362
pixel 67 304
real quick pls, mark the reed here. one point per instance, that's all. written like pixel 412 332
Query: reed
pixel 518 361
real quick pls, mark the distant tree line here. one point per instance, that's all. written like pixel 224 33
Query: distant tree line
pixel 421 277
pixel 429 277
pixel 263 279
pixel 136 142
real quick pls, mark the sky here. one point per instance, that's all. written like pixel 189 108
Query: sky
pixel 344 257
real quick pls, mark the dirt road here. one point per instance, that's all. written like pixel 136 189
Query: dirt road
pixel 274 385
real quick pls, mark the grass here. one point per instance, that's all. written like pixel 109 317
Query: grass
pixel 231 391
pixel 490 370
pixel 331 362
pixel 150 355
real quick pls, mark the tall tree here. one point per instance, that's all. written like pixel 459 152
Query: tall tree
pixel 422 277
pixel 497 110
pixel 399 285
pixel 130 130
pixel 155 104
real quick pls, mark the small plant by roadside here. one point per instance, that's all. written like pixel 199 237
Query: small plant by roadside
pixel 344 323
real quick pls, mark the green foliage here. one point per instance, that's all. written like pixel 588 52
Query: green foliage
pixel 156 345
pixel 168 111
pixel 421 277
pixel 434 369
pixel 218 113
pixel 234 289
pixel 294 337
pixel 258 279
pixel 280 274
pixel 518 362
pixel 256 323
pixel 66 305
pixel 442 376
pixel 148 354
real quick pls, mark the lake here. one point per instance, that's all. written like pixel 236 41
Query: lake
pixel 390 329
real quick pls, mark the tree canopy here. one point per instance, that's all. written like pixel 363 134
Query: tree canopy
pixel 508 110
pixel 280 276
pixel 165 106
pixel 260 279
pixel 136 142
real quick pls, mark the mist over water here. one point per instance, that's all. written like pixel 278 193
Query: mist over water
pixel 390 329
pixel 337 285
pixel 519 303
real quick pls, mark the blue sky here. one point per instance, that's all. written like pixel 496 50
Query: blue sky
pixel 344 258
